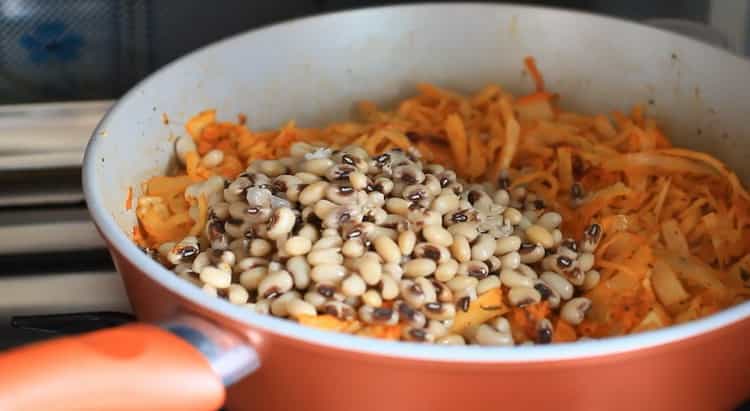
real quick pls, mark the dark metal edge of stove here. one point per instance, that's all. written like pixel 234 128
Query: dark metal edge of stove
pixel 92 260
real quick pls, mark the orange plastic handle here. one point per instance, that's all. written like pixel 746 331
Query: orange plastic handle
pixel 132 367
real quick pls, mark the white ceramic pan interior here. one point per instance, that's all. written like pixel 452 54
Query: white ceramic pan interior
pixel 312 70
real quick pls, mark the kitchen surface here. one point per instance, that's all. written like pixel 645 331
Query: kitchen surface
pixel 62 66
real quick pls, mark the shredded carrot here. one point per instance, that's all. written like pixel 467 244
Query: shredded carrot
pixel 530 64
pixel 129 199
pixel 564 332
pixel 657 205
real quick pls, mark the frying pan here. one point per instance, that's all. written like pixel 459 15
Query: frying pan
pixel 190 346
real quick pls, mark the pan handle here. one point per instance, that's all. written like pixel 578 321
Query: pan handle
pixel 182 365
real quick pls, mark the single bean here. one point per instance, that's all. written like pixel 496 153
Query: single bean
pixel 420 267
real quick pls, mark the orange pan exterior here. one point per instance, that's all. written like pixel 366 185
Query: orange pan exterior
pixel 706 372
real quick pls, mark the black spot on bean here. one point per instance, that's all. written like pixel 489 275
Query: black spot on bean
pixel 463 303
pixel 544 335
pixel 544 291
pixel 434 307
pixel 347 159
pixel 564 262
pixel 418 334
pixel 503 183
pixel 382 313
pixel 326 290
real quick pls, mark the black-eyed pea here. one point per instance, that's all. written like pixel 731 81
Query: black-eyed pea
pixel 212 159
pixel 237 294
pixel 539 235
pixel 308 178
pixel 406 242
pixel 300 271
pixel 511 260
pixel 574 311
pixel 328 273
pixel 451 339
pixel 494 264
pixel 473 268
pixel 462 282
pixel 469 229
pixel 557 237
pixel 585 261
pixel 438 253
pixel 558 283
pixel 487 336
pixel 384 232
pixel 512 278
pixel 398 206
pixel 513 215
pixel 298 308
pixel 591 237
pixel 340 172
pixel 280 303
pixel 501 324
pixel 387 249
pixel 439 311
pixel 461 249
pixel 522 296
pixel 210 290
pixel 487 284
pixel 438 235
pixel 437 328
pixel 317 166
pixel 358 180
pixel 325 256
pixel 591 279
pixel 369 268
pixel 505 245
pixel 408 174
pixel 216 277
pixel 445 203
pixel 428 288
pixel 550 220
pixel 389 288
pixel 275 283
pixel 378 216
pixel 417 334
pixel 299 149
pixel 297 245
pixel 353 286
pixel 201 260
pixel 483 248
pixel 261 307
pixel 341 194
pixel 445 271
pixel 378 315
pixel 433 185
pixel 281 223
pixel 409 315
pixel 338 309
pixel 313 193
pixel 501 197
pixel 419 267
pixel 411 293
pixel 353 248
pixel 315 298
pixel 372 298
pixel 527 271
pixel 260 247
pixel 250 262
pixel 184 145
pixel 531 253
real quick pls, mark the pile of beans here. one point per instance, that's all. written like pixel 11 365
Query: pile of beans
pixel 383 240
